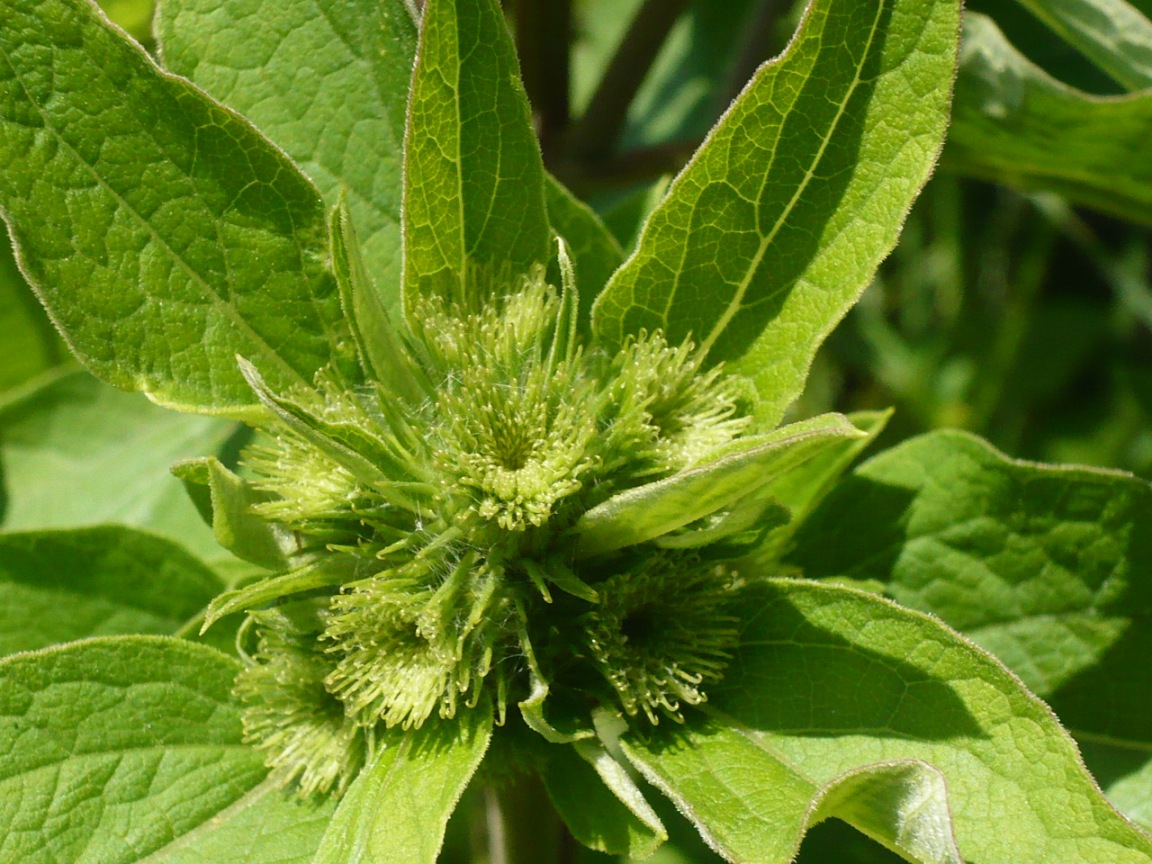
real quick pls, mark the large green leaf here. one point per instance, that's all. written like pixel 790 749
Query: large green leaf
pixel 1014 124
pixel 78 452
pixel 163 233
pixel 57 586
pixel 327 81
pixel 1113 34
pixel 474 211
pixel 779 221
pixel 1044 566
pixel 125 750
pixel 396 810
pixel 839 703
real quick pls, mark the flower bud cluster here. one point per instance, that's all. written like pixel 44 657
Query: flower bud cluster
pixel 445 510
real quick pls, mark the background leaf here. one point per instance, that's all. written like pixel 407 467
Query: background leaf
pixel 828 681
pixel 127 749
pixel 77 452
pixel 57 586
pixel 774 228
pixel 31 344
pixel 163 233
pixel 326 81
pixel 474 178
pixel 1014 124
pixel 1113 34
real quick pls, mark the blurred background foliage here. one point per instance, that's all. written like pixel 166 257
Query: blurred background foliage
pixel 1018 304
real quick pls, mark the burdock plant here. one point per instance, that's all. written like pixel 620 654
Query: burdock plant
pixel 523 511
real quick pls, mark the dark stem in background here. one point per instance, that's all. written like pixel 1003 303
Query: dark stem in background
pixel 596 134
pixel 756 46
pixel 543 41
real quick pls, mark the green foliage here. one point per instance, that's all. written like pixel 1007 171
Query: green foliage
pixel 527 527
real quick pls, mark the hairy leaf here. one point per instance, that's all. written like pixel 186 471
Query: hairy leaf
pixel 654 509
pixel 163 233
pixel 396 810
pixel 127 749
pixel 326 81
pixel 1042 565
pixel 840 703
pixel 780 219
pixel 474 206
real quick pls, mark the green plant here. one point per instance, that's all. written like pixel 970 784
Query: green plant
pixel 519 510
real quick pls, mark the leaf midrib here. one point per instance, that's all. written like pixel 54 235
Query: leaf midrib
pixel 735 305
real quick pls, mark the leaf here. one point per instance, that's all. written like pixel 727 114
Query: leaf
pixel 649 511
pixel 779 221
pixel 1041 565
pixel 127 749
pixel 163 233
pixel 326 81
pixel 77 452
pixel 1113 34
pixel 841 703
pixel 473 203
pixel 234 525
pixel 398 807
pixel 309 577
pixel 576 778
pixel 56 586
pixel 382 355
pixel 1013 124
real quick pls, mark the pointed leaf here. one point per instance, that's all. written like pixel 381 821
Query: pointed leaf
pixel 326 81
pixel 648 511
pixel 473 175
pixel 317 574
pixel 163 233
pixel 779 221
pixel 56 586
pixel 382 356
pixel 127 749
pixel 835 701
pixel 396 810
pixel 1014 124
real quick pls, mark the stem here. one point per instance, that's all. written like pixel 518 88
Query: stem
pixel 522 827
pixel 755 48
pixel 597 132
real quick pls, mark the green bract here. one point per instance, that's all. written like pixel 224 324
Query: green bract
pixel 513 510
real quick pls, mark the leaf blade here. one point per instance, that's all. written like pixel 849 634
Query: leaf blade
pixel 163 233
pixel 758 265
pixel 469 204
